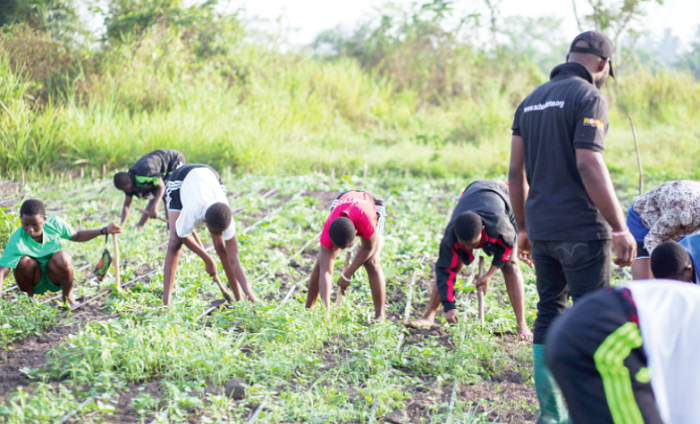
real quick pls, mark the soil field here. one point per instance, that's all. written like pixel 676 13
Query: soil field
pixel 126 359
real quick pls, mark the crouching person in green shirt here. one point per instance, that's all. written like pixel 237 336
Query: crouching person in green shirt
pixel 34 252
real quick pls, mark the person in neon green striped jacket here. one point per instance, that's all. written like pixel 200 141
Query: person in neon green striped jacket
pixel 629 355
pixel 147 180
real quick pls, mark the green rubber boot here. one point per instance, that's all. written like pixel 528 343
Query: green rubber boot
pixel 552 408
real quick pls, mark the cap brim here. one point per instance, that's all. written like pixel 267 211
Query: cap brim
pixel 612 74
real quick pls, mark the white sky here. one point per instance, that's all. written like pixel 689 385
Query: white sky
pixel 307 18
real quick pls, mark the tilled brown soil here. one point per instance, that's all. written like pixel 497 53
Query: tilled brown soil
pixel 31 353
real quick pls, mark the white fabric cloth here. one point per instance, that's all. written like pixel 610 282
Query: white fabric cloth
pixel 200 189
pixel 668 314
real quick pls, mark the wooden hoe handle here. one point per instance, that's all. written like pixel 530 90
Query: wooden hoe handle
pixel 480 291
pixel 117 275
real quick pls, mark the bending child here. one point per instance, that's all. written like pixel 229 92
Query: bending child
pixel 353 213
pixel 195 195
pixel 483 219
pixel 35 255
pixel 677 260
pixel 668 212
pixel 147 179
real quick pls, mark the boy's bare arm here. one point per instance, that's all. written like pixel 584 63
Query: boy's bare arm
pixel 326 257
pixel 228 254
pixel 126 209
pixel 3 274
pixel 87 235
pixel 157 195
pixel 198 249
pixel 365 251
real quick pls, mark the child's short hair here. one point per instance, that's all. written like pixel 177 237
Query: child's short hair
pixel 669 260
pixel 121 180
pixel 32 207
pixel 218 217
pixel 468 226
pixel 342 231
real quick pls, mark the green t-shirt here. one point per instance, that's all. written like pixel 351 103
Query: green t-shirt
pixel 21 244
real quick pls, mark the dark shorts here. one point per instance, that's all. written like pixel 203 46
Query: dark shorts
pixel 639 231
pixel 596 356
pixel 173 201
pixel 642 252
pixel 567 269
pixel 378 204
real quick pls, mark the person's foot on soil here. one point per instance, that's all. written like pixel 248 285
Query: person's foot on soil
pixel 69 301
pixel 524 333
pixel 421 323
pixel 378 320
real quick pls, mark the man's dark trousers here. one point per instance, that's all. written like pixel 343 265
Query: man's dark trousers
pixel 563 269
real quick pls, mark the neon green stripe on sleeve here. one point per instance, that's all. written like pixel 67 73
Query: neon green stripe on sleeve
pixel 609 361
pixel 146 180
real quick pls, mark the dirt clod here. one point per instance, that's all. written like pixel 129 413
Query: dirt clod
pixel 235 388
pixel 397 416
pixel 511 377
pixel 152 387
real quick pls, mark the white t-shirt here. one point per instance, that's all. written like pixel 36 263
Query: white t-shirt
pixel 668 314
pixel 200 189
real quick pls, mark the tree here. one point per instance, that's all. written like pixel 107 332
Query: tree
pixel 691 60
pixel 617 18
pixel 493 6
pixel 58 17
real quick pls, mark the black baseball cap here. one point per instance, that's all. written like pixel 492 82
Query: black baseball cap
pixel 598 44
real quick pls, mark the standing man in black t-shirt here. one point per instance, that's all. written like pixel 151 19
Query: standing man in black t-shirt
pixel 560 183
pixel 147 179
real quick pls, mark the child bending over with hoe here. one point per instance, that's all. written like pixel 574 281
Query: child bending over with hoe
pixel 147 179
pixel 34 252
pixel 483 219
pixel 352 214
pixel 196 194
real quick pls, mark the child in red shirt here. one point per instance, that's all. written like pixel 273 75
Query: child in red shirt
pixel 353 213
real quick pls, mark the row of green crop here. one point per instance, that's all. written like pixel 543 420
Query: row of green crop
pixel 305 369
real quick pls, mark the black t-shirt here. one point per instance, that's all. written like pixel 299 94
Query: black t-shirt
pixel 564 114
pixel 181 173
pixel 149 169
pixel 489 200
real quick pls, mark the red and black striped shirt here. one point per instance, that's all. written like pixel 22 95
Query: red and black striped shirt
pixel 490 200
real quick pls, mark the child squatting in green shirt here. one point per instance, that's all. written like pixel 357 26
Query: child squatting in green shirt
pixel 34 252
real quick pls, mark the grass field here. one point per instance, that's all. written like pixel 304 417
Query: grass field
pixel 126 359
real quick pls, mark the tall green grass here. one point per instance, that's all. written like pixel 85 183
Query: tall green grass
pixel 259 110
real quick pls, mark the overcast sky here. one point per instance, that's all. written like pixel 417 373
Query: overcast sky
pixel 307 18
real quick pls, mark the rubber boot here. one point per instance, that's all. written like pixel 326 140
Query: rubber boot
pixel 552 407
